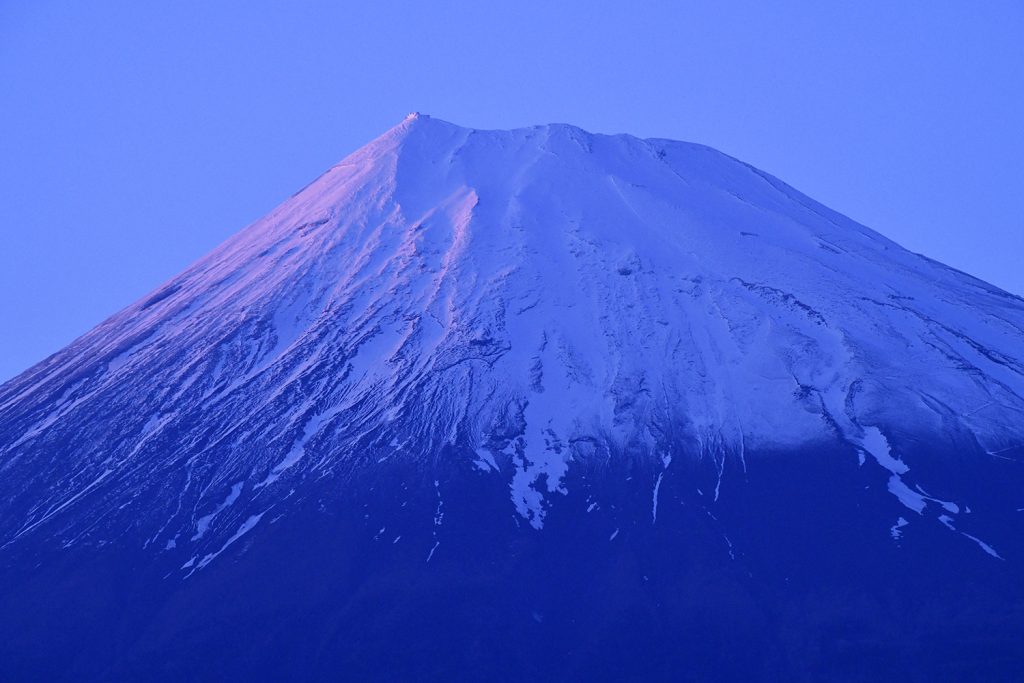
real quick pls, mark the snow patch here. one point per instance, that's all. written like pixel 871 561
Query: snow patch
pixel 246 527
pixel 203 523
pixel 897 529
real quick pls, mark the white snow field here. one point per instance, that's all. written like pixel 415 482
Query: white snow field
pixel 540 297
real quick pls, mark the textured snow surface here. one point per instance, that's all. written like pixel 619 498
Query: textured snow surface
pixel 527 301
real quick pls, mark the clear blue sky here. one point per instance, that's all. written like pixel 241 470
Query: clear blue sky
pixel 136 136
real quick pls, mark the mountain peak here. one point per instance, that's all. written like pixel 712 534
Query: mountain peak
pixel 579 281
pixel 638 368
pixel 432 126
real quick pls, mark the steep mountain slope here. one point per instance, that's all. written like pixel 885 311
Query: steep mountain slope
pixel 564 354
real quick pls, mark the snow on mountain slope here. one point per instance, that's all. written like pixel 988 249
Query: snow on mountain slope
pixel 527 302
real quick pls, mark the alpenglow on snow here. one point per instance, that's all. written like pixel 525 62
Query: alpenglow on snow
pixel 553 334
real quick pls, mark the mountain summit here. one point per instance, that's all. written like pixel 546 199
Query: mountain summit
pixel 562 398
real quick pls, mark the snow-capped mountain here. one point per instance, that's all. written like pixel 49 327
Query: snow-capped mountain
pixel 514 358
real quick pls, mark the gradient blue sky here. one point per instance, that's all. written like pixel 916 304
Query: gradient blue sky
pixel 137 136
